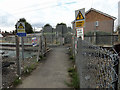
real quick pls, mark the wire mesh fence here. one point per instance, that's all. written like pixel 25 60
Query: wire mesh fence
pixel 97 67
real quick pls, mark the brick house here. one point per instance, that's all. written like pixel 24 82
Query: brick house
pixel 98 21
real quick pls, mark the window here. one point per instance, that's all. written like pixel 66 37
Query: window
pixel 96 23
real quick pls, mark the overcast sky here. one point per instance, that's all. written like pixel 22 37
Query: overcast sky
pixel 40 12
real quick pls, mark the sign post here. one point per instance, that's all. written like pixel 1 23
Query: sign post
pixel 80 22
pixel 22 42
pixel 21 33
pixel 17 57
pixel 79 26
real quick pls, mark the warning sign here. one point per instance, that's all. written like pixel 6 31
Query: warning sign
pixel 21 29
pixel 79 16
pixel 80 33
pixel 21 26
pixel 79 23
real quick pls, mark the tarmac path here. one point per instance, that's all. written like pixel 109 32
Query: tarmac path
pixel 52 73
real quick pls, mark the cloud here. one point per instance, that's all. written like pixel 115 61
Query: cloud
pixel 38 25
pixel 40 12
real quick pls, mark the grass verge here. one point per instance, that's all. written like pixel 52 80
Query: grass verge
pixel 29 69
pixel 73 73
pixel 74 78
pixel 17 81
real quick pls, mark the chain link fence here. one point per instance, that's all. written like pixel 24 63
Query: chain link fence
pixel 97 67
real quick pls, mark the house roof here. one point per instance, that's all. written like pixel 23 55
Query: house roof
pixel 92 9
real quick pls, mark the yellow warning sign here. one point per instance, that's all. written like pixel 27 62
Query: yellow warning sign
pixel 79 16
pixel 21 26
pixel 79 23
pixel 21 31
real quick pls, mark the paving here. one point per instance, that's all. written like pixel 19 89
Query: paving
pixel 52 73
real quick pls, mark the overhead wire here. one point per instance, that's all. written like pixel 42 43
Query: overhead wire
pixel 33 10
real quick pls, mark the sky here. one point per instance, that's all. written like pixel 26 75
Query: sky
pixel 40 12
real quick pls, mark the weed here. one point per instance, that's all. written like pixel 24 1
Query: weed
pixel 17 81
pixel 71 57
pixel 29 69
pixel 74 76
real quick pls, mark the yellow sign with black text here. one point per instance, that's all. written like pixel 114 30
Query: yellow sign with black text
pixel 79 23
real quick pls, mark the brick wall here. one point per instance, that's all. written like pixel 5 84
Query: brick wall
pixel 106 24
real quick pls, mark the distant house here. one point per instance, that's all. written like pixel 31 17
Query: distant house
pixel 96 20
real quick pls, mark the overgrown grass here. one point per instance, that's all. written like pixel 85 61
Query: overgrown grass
pixel 74 78
pixel 29 69
pixel 72 58
pixel 17 81
pixel 42 57
pixel 73 73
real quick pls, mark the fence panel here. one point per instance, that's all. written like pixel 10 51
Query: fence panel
pixel 102 39
pixel 31 56
pixel 97 67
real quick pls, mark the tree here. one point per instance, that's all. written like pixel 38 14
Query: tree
pixel 28 27
pixel 61 28
pixel 118 29
pixel 48 28
pixel 47 25
pixel 6 32
pixel 61 24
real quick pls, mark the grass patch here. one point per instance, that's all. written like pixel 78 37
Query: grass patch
pixel 72 58
pixel 29 69
pixel 17 81
pixel 74 78
pixel 73 73
pixel 42 57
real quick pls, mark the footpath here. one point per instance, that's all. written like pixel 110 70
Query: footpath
pixel 52 73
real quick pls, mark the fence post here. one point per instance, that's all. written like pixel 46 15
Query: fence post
pixel 45 46
pixel 17 57
pixel 78 61
pixel 119 74
pixel 39 49
pixel 22 42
